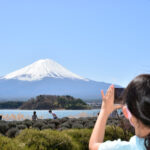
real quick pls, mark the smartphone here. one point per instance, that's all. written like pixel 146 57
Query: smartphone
pixel 118 96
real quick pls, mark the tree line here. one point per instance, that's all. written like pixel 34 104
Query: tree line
pixel 47 102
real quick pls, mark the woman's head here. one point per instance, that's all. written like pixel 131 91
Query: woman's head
pixel 137 99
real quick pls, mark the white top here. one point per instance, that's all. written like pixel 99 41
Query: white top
pixel 135 143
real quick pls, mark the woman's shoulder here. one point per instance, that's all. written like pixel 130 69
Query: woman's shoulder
pixel 137 142
pixel 134 143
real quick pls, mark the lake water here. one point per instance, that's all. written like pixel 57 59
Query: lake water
pixel 44 114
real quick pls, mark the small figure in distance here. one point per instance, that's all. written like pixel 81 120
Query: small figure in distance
pixel 0 117
pixel 53 114
pixel 34 116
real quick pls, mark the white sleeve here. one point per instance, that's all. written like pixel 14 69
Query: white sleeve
pixel 115 145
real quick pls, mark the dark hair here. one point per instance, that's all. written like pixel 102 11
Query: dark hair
pixel 50 111
pixel 137 98
pixel 34 112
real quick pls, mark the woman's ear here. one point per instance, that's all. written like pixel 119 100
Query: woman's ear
pixel 124 110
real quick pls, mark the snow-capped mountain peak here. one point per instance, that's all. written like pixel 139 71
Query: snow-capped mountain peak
pixel 41 69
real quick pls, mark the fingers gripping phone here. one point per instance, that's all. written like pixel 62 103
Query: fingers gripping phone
pixel 118 96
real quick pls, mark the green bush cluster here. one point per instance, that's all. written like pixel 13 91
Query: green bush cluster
pixel 12 128
pixel 9 144
pixel 33 139
pixel 47 139
pixel 115 132
pixel 80 137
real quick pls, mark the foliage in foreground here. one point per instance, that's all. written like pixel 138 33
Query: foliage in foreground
pixel 12 128
pixel 73 139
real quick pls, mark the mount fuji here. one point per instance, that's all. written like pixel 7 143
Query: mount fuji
pixel 42 69
pixel 47 77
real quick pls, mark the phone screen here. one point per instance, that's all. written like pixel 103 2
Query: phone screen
pixel 118 99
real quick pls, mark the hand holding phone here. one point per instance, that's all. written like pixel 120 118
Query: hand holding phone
pixel 118 95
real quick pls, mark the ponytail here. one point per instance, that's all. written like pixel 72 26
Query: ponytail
pixel 147 142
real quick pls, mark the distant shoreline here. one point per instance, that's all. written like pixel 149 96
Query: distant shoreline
pixel 19 115
pixel 46 109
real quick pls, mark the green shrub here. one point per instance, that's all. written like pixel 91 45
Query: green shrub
pixel 28 123
pixel 114 133
pixel 80 137
pixel 89 124
pixel 64 120
pixel 66 125
pixel 61 139
pixel 38 125
pixel 22 126
pixel 62 128
pixel 72 139
pixel 3 127
pixel 49 126
pixel 83 121
pixel 45 140
pixel 12 124
pixel 55 121
pixel 9 144
pixel 12 132
pixel 77 125
pixel 17 122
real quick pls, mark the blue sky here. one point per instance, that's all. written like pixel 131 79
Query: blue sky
pixel 104 40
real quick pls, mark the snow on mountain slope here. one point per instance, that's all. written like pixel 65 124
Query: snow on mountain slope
pixel 49 78
pixel 41 69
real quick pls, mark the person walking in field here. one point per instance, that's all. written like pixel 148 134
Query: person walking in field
pixel 136 110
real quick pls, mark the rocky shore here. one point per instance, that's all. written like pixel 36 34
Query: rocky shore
pixel 12 128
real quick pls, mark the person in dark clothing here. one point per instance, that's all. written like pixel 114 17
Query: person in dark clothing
pixel 34 116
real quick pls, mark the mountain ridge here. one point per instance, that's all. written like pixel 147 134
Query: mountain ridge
pixel 43 78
